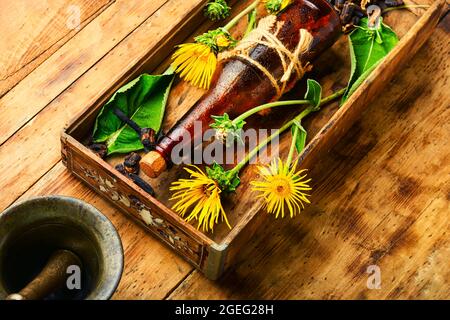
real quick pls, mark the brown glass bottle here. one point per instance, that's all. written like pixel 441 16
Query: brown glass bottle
pixel 238 86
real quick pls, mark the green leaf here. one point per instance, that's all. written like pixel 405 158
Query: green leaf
pixel 313 93
pixel 300 141
pixel 143 100
pixel 217 10
pixel 367 49
pixel 227 183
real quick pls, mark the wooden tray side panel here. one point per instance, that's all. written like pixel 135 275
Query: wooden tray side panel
pixel 243 237
pixel 346 116
pixel 122 194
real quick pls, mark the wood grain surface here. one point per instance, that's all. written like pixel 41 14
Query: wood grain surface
pixel 381 196
pixel 30 34
pixel 71 61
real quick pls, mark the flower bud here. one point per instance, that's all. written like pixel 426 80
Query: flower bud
pixel 217 10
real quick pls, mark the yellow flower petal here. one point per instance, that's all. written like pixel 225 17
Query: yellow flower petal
pixel 201 194
pixel 282 188
pixel 196 63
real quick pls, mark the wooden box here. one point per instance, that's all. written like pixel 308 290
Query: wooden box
pixel 213 253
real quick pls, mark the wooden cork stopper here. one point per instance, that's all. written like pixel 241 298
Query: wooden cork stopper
pixel 153 164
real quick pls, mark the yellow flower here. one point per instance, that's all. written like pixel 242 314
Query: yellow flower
pixel 202 194
pixel 196 63
pixel 282 188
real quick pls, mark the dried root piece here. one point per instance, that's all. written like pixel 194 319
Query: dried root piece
pixel 121 168
pixel 99 149
pixel 130 168
pixel 131 163
pixel 144 185
pixel 394 3
pixel 148 138
pixel 347 12
pixel 351 11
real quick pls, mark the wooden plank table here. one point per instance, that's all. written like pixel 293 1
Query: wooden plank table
pixel 381 195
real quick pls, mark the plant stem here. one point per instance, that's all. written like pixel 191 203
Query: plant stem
pixel 286 126
pixel 257 109
pixel 406 6
pixel 292 148
pixel 251 22
pixel 333 96
pixel 169 70
pixel 238 17
pixel 123 117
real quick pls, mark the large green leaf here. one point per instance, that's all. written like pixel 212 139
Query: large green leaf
pixel 367 48
pixel 143 100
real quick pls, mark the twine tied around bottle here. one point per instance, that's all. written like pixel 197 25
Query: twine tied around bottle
pixel 264 35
